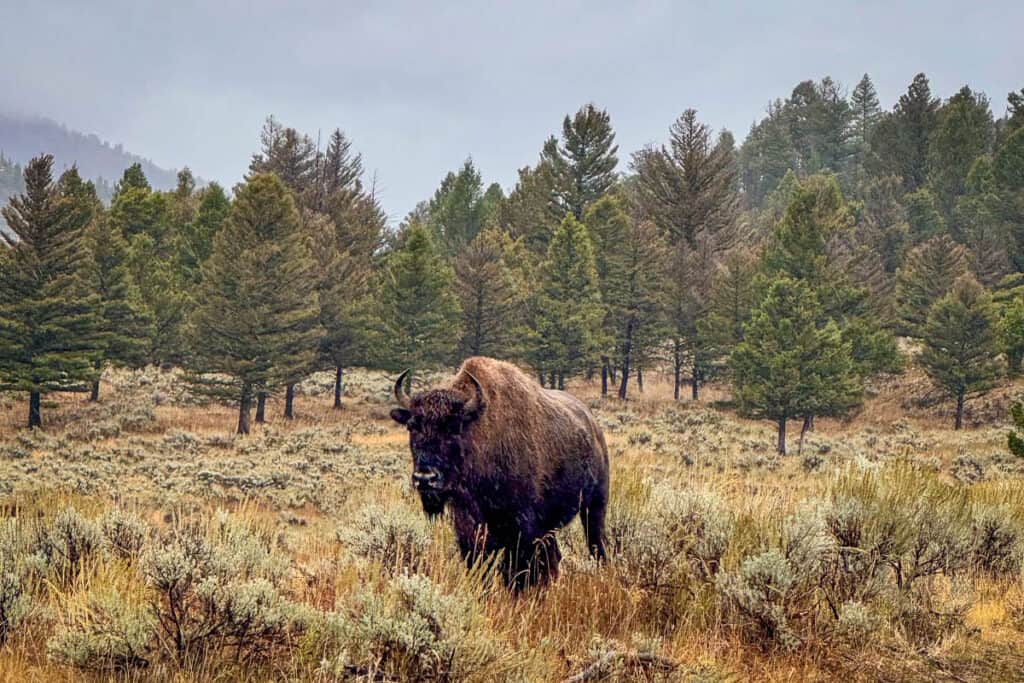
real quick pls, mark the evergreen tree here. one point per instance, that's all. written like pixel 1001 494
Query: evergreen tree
pixel 456 209
pixel 213 210
pixel 567 311
pixel 788 366
pixel 928 272
pixel 884 218
pixel 866 111
pixel 1011 333
pixel 960 343
pixel 819 121
pixel 688 187
pixel 47 319
pixel 530 213
pixel 583 164
pixel 1015 111
pixel 766 156
pixel 419 308
pixel 1013 440
pixel 291 156
pixel 964 132
pixel 343 167
pixel 255 325
pixel 1008 177
pixel 977 215
pixel 924 219
pixel 133 178
pixel 734 295
pixel 900 143
pixel 124 325
pixel 492 298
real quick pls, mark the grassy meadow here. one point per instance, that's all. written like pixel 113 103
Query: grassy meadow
pixel 140 540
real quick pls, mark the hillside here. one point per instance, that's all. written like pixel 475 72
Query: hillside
pixel 22 138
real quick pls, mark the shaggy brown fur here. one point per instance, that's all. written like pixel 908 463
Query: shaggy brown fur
pixel 513 465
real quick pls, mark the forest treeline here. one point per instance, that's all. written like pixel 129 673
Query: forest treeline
pixel 788 264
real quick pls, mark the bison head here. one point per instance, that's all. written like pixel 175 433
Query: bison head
pixel 436 421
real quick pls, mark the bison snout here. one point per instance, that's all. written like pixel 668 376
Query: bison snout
pixel 427 479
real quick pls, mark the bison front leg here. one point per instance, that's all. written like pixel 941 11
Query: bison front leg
pixel 532 563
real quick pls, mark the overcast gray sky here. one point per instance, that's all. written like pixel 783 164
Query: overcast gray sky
pixel 419 86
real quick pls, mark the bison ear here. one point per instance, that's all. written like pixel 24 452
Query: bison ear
pixel 401 415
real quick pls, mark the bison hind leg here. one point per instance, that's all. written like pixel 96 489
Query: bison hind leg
pixel 592 517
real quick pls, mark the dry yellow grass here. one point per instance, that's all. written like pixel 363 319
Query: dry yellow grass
pixel 553 633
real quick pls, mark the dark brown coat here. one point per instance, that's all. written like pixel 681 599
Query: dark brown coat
pixel 513 462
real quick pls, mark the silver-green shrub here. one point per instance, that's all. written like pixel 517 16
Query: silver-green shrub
pixel 124 533
pixel 396 537
pixel 15 574
pixel 997 539
pixel 66 541
pixel 110 631
pixel 416 632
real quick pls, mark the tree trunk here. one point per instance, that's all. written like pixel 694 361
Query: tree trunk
pixel 640 378
pixel 677 367
pixel 561 381
pixel 604 375
pixel 35 417
pixel 552 380
pixel 244 407
pixel 624 380
pixel 782 436
pixel 289 401
pixel 807 426
pixel 94 389
pixel 540 378
pixel 959 410
pixel 696 381
pixel 337 388
pixel 261 407
pixel 1014 359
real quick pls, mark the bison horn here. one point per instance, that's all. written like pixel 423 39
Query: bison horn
pixel 401 395
pixel 475 404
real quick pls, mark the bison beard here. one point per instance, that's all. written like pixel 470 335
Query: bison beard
pixel 512 461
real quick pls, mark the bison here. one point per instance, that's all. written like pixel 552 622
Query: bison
pixel 512 461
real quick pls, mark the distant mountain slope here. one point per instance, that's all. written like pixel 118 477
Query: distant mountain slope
pixel 22 138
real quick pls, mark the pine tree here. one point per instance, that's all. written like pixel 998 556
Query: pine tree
pixel 214 207
pixel 734 295
pixel 865 109
pixel 960 343
pixel 1013 440
pixel 688 187
pixel 343 167
pixel 766 156
pixel 133 178
pixel 456 209
pixel 47 319
pixel 1008 176
pixel 1011 333
pixel 900 143
pixel 884 218
pixel 964 132
pixel 977 215
pixel 924 218
pixel 635 297
pixel 819 121
pixel 530 213
pixel 567 311
pixel 583 164
pixel 492 298
pixel 419 308
pixel 124 326
pixel 256 322
pixel 927 273
pixel 788 366
pixel 290 155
